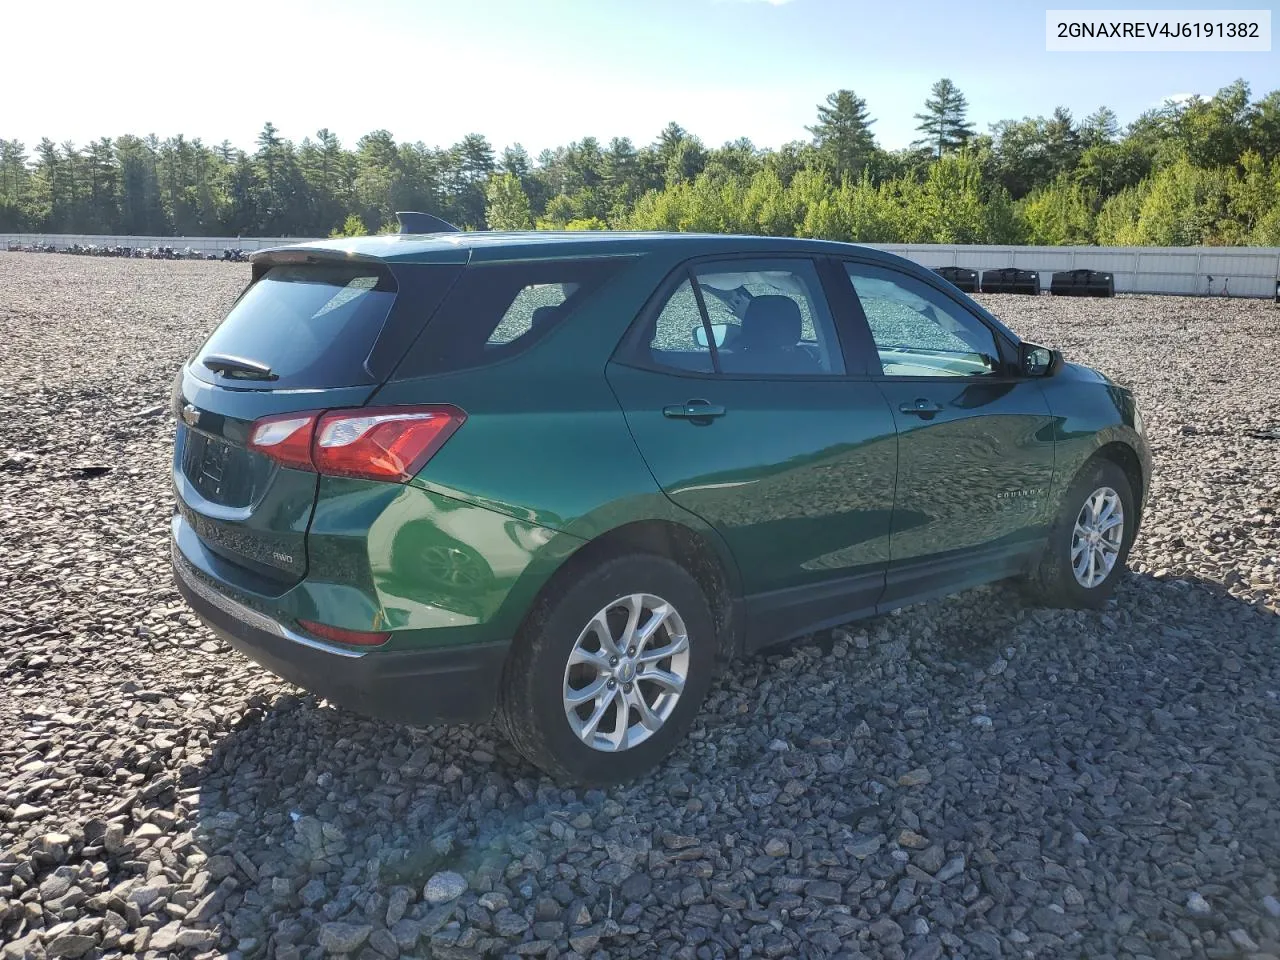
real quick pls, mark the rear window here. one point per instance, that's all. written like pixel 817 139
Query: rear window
pixel 312 324
pixel 496 311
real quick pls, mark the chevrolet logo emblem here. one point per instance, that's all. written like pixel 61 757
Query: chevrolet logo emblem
pixel 190 415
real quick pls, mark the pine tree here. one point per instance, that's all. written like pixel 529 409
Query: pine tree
pixel 74 184
pixel 843 134
pixel 621 168
pixel 680 155
pixel 669 140
pixel 515 160
pixel 1099 127
pixel 1062 143
pixel 47 188
pixel 471 164
pixel 104 209
pixel 943 122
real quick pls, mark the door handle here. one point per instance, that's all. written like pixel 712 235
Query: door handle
pixel 922 408
pixel 694 410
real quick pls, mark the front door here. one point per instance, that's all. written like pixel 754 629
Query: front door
pixel 737 393
pixel 975 438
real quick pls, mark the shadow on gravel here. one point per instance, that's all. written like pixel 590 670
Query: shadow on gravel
pixel 1148 729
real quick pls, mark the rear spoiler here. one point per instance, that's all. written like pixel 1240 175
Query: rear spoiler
pixel 264 260
pixel 411 221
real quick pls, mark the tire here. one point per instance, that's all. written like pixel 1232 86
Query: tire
pixel 1055 582
pixel 538 678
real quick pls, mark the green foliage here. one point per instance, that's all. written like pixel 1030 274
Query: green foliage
pixel 1058 215
pixel 950 203
pixel 507 205
pixel 1199 171
pixel 1183 205
pixel 353 226
pixel 1117 221
pixel 1213 133
pixel 1267 232
pixel 1107 168
pixel 1253 199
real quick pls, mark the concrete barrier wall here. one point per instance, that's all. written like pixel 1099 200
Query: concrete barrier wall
pixel 1241 271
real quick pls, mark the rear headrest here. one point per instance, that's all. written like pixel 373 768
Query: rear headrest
pixel 770 321
pixel 542 315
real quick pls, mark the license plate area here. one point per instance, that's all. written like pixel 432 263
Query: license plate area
pixel 220 472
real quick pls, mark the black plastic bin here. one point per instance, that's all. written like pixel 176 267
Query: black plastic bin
pixel 966 280
pixel 1011 280
pixel 1082 283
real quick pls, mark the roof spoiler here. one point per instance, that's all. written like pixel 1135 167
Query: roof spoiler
pixel 411 221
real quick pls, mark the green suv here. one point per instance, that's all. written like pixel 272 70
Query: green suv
pixel 563 479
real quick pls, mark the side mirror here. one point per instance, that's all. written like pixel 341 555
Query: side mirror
pixel 1037 361
pixel 718 330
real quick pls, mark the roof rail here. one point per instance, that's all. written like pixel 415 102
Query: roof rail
pixel 411 221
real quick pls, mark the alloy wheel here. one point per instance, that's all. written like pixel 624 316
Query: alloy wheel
pixel 626 672
pixel 1097 537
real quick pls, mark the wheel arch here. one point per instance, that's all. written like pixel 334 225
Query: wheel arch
pixel 1124 456
pixel 1115 443
pixel 1050 580
pixel 695 552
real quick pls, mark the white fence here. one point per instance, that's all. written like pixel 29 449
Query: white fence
pixel 1238 271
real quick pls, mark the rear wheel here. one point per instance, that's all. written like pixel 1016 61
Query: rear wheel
pixel 609 671
pixel 1089 543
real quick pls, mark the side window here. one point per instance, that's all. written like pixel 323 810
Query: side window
pixel 917 331
pixel 767 317
pixel 533 306
pixel 496 311
pixel 679 338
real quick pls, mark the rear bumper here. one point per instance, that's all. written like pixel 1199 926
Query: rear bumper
pixel 448 684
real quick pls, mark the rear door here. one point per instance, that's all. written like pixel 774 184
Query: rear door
pixel 736 388
pixel 975 437
pixel 307 334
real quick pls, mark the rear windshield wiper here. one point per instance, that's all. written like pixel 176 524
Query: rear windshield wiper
pixel 238 367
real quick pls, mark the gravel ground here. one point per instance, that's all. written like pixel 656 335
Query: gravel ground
pixel 968 778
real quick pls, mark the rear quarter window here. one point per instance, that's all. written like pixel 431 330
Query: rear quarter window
pixel 313 325
pixel 497 311
pixel 533 305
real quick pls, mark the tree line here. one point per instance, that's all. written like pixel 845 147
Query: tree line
pixel 1199 171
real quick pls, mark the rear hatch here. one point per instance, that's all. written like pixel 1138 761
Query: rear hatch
pixel 311 332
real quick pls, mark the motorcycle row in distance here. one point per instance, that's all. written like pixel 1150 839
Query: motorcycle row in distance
pixel 140 253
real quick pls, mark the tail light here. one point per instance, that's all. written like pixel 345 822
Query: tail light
pixel 375 443
pixel 358 638
pixel 285 439
pixel 387 443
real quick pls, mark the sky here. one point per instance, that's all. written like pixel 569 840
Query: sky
pixel 546 72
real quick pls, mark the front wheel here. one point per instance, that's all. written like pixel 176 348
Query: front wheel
pixel 1089 542
pixel 608 673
